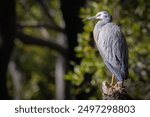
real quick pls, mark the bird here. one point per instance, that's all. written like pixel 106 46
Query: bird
pixel 111 45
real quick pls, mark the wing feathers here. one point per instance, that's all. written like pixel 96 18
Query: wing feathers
pixel 113 48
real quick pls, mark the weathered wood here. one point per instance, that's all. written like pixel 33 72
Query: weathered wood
pixel 117 92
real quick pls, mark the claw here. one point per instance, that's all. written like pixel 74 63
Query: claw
pixel 119 85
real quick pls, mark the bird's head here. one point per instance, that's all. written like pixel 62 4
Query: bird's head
pixel 102 15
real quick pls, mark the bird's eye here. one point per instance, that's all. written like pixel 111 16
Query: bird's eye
pixel 105 16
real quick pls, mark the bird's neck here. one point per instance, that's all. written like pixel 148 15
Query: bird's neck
pixel 97 28
pixel 102 23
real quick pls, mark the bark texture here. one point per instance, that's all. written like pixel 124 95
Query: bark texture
pixel 118 92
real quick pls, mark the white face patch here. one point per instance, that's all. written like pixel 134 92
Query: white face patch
pixel 102 15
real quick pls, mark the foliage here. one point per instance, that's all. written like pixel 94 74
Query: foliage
pixel 37 67
pixel 37 64
pixel 133 18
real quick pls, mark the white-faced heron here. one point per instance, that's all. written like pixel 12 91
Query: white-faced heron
pixel 111 45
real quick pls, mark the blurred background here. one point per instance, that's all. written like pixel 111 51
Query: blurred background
pixel 47 52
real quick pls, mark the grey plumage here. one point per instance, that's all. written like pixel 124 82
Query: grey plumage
pixel 111 45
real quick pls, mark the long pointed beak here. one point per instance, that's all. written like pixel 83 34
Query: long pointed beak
pixel 89 18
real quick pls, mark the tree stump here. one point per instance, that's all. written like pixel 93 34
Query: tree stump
pixel 117 92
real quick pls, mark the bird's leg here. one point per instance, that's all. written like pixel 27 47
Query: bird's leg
pixel 112 80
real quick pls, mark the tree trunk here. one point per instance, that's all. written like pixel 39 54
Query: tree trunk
pixel 70 10
pixel 118 92
pixel 7 33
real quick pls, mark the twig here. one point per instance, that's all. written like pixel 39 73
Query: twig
pixel 45 9
pixel 27 39
pixel 39 25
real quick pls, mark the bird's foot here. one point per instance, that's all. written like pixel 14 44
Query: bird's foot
pixel 110 89
pixel 116 92
pixel 119 87
pixel 107 88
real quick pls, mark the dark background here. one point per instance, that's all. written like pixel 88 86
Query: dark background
pixel 47 52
